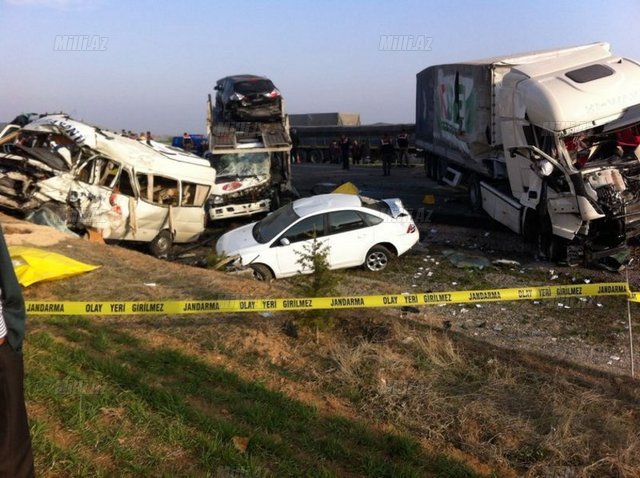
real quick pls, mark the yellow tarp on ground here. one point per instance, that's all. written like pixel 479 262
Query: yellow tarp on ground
pixel 35 265
pixel 347 188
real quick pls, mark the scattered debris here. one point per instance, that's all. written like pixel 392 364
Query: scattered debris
pixel 240 443
pixel 466 259
pixel 506 263
pixel 289 329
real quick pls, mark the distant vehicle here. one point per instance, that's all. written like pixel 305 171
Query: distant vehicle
pixel 357 231
pixel 252 159
pixel 247 98
pixel 199 143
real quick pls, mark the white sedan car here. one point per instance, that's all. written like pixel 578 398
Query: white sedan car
pixel 354 231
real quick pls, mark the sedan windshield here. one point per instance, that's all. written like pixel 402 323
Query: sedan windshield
pixel 254 86
pixel 269 227
pixel 241 165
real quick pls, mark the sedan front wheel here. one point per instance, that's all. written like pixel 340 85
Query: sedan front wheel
pixel 262 272
pixel 377 258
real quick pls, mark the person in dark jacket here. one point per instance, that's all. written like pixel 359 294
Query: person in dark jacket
pixel 403 148
pixel 345 146
pixel 387 151
pixel 16 458
pixel 356 152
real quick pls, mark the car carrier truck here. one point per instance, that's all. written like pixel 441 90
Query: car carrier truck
pixel 546 142
pixel 252 160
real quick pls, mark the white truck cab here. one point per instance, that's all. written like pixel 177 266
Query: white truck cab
pixel 546 141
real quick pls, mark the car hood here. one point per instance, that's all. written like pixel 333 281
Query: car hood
pixel 237 241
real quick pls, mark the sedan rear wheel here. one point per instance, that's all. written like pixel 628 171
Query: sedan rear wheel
pixel 377 258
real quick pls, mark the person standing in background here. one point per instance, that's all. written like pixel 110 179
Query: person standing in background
pixel 345 146
pixel 403 148
pixel 356 152
pixel 16 457
pixel 387 152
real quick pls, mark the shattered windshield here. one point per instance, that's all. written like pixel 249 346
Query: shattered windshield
pixel 241 165
pixel 269 227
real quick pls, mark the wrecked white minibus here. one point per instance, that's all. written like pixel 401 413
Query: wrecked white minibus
pixel 126 189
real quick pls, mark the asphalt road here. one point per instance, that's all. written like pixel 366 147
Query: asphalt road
pixel 424 198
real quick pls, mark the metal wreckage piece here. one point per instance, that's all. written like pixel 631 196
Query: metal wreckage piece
pixel 93 179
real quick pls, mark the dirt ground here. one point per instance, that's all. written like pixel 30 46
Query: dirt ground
pixel 563 329
pixel 592 332
pixel 375 354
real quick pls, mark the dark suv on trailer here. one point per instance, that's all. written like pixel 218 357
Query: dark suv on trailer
pixel 247 98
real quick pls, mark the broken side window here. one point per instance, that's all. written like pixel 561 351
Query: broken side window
pixel 145 183
pixel 85 172
pixel 194 194
pixel 201 195
pixel 160 190
pixel 108 173
pixel 124 184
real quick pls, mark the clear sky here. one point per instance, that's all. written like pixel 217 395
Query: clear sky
pixel 149 65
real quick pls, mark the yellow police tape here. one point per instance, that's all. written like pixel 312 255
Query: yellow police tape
pixel 356 301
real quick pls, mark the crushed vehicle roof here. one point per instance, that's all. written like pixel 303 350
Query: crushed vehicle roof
pixel 149 158
pixel 323 202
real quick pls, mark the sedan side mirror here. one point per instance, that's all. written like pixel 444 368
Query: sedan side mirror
pixel 284 241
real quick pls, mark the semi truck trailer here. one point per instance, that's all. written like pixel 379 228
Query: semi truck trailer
pixel 546 143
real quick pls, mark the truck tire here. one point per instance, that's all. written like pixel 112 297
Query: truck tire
pixel 315 156
pixel 475 193
pixel 440 169
pixel 429 165
pixel 530 226
pixel 262 272
pixel 552 246
pixel 161 244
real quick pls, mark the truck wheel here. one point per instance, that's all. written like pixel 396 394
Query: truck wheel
pixel 377 258
pixel 440 169
pixel 262 273
pixel 552 246
pixel 315 156
pixel 475 193
pixel 530 225
pixel 429 166
pixel 161 244
pixel 557 249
